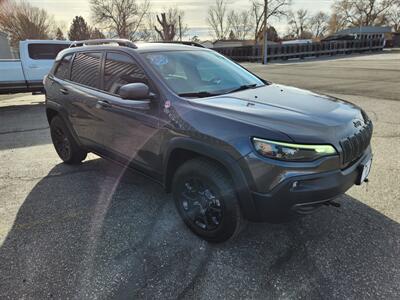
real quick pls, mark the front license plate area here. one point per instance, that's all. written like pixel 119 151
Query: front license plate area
pixel 365 169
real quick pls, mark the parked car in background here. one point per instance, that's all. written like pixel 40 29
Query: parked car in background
pixel 26 74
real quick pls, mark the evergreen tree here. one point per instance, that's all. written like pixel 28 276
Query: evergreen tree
pixel 59 34
pixel 79 29
pixel 232 35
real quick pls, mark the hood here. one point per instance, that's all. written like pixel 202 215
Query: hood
pixel 304 116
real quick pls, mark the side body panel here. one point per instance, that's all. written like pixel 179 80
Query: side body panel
pixel 12 76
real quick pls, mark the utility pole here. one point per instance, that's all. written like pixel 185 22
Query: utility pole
pixel 180 28
pixel 265 58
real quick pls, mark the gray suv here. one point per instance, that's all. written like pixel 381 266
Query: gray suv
pixel 229 145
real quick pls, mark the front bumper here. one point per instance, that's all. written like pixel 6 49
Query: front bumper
pixel 297 193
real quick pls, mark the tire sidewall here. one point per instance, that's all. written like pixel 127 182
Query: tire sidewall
pixel 55 124
pixel 77 154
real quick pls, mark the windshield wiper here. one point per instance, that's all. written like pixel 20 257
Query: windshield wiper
pixel 242 88
pixel 198 94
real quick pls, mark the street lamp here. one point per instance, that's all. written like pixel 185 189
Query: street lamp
pixel 265 56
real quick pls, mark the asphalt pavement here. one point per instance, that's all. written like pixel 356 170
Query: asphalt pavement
pixel 99 231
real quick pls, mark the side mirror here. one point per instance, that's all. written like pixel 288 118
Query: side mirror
pixel 135 91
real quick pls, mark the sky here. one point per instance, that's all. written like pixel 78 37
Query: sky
pixel 195 11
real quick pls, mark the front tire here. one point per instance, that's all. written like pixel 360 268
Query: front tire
pixel 64 143
pixel 206 200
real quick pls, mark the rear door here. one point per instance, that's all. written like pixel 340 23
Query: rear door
pixel 84 92
pixel 55 85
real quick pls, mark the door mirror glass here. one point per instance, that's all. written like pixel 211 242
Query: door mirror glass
pixel 135 91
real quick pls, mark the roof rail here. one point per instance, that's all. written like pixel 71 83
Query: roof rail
pixel 187 43
pixel 120 42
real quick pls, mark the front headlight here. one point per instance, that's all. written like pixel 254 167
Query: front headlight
pixel 292 152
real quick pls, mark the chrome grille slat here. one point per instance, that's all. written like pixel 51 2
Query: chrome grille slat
pixel 355 145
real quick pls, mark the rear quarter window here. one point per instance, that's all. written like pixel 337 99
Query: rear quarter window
pixel 45 51
pixel 62 69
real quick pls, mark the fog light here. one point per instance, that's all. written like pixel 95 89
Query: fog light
pixel 295 184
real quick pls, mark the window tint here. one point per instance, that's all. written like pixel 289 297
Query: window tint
pixel 121 69
pixel 62 70
pixel 45 51
pixel 86 69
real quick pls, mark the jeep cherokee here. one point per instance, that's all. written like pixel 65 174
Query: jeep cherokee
pixel 229 145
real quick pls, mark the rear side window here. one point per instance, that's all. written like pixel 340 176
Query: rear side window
pixel 45 51
pixel 86 69
pixel 121 69
pixel 62 70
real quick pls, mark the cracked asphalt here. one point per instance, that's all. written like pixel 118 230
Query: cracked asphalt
pixel 98 231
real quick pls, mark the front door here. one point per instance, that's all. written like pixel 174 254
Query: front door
pixel 131 131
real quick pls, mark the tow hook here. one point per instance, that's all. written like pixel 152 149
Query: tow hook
pixel 333 203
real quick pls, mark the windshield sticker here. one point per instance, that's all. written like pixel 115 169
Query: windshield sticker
pixel 158 59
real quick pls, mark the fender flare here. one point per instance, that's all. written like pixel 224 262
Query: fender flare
pixel 230 163
pixel 63 114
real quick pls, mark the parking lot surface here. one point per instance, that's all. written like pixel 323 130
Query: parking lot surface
pixel 99 231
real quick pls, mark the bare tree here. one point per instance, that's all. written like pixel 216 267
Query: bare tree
pixel 122 18
pixel 195 39
pixel 240 23
pixel 336 23
pixel 276 10
pixel 318 24
pixel 168 30
pixel 171 24
pixel 393 17
pixel 299 25
pixel 146 31
pixel 21 21
pixel 363 12
pixel 218 20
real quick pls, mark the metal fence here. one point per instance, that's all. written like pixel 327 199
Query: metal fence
pixel 289 51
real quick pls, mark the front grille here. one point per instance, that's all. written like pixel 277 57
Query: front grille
pixel 355 145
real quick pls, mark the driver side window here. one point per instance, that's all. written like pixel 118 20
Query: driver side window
pixel 121 69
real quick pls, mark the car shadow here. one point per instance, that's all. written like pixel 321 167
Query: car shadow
pixel 23 126
pixel 99 231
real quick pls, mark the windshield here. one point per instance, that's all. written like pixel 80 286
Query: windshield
pixel 201 73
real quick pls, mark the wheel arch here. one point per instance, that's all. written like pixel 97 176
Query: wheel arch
pixel 55 109
pixel 181 150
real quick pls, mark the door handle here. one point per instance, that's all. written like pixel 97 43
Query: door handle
pixel 103 104
pixel 64 91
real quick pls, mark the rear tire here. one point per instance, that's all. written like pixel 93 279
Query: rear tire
pixel 64 143
pixel 206 200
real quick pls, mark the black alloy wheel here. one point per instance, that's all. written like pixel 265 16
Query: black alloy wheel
pixel 206 200
pixel 200 204
pixel 61 143
pixel 64 143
